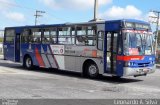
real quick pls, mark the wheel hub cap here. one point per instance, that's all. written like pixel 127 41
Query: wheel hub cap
pixel 28 62
pixel 92 69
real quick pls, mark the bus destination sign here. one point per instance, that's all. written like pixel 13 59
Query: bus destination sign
pixel 137 25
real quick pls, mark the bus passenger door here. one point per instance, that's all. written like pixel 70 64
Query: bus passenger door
pixel 17 47
pixel 9 47
pixel 111 51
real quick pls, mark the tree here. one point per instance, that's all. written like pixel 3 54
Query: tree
pixel 158 40
pixel 1 40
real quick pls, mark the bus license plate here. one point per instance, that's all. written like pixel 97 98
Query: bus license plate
pixel 143 70
pixel 146 70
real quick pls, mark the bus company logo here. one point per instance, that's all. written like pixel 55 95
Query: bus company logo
pixel 57 49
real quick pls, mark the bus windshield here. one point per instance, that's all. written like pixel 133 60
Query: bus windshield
pixel 138 43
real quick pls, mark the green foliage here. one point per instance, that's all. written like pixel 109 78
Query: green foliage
pixel 1 40
pixel 158 40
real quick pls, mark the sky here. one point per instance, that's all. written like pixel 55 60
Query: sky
pixel 21 12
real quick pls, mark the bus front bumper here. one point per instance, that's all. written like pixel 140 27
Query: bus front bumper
pixel 128 71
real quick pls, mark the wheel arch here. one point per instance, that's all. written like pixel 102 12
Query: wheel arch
pixel 26 55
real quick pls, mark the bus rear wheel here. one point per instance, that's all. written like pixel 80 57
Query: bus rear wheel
pixel 92 70
pixel 28 63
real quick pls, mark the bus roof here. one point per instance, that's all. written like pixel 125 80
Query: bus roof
pixel 82 23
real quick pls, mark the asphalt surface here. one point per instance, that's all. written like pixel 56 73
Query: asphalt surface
pixel 18 83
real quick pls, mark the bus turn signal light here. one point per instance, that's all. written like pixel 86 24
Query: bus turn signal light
pixel 94 53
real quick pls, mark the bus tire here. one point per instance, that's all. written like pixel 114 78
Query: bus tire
pixel 92 70
pixel 28 63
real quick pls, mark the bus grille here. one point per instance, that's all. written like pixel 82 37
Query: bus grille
pixel 143 64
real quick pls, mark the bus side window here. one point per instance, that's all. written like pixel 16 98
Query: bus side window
pixel 100 44
pixel 30 37
pixel 80 40
pixel 9 36
pixel 46 37
pixel 109 46
pixel 86 35
pixel 115 42
pixel 120 43
pixel 73 34
pixel 53 36
pixel 64 35
pixel 91 35
pixel 81 35
pixel 36 36
pixel 25 36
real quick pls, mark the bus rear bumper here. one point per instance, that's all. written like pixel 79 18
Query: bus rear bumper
pixel 128 71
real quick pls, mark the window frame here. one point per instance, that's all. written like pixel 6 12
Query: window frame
pixel 50 36
pixel 22 35
pixel 101 31
pixel 86 36
pixel 66 36
pixel 13 36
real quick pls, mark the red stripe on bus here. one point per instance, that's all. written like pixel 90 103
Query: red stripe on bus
pixel 129 58
pixel 39 58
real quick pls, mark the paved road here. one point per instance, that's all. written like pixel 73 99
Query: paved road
pixel 18 83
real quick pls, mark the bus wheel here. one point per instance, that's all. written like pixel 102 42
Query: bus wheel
pixel 28 63
pixel 92 70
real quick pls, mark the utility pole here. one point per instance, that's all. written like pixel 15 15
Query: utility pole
pixel 157 17
pixel 95 10
pixel 38 14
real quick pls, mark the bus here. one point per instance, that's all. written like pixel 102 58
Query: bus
pixel 117 48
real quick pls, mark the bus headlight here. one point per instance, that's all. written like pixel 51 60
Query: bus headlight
pixel 127 64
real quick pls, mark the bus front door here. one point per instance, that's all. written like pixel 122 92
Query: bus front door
pixel 111 49
pixel 9 48
pixel 9 51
